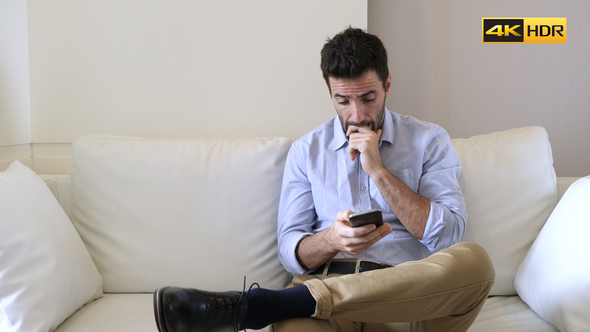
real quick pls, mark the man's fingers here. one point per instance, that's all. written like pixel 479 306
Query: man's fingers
pixel 352 152
pixel 352 129
pixel 355 240
pixel 356 246
pixel 364 129
pixel 353 147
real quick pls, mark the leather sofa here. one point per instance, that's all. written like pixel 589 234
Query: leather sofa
pixel 146 213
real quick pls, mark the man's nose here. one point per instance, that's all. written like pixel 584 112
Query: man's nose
pixel 356 114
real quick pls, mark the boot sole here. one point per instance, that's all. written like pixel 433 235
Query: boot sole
pixel 158 309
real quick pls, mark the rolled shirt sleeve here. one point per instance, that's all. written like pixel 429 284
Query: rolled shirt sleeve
pixel 440 183
pixel 296 211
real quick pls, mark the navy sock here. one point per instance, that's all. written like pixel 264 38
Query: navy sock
pixel 269 306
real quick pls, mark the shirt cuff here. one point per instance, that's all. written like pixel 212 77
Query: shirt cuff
pixel 288 256
pixel 434 227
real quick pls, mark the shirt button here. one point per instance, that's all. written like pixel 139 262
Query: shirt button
pixel 363 187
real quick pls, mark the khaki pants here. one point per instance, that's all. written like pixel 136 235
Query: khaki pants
pixel 443 292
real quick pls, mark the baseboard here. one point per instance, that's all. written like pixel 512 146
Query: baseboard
pixel 52 158
pixel 20 152
pixel 43 158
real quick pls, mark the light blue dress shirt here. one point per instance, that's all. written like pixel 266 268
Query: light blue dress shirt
pixel 320 180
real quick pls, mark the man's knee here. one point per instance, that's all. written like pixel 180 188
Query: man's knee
pixel 476 260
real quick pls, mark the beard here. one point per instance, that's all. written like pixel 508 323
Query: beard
pixel 373 125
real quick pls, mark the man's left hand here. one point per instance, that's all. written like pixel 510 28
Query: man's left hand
pixel 365 141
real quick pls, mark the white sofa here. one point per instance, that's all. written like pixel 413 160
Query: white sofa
pixel 202 213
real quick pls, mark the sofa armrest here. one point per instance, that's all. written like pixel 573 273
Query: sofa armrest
pixel 563 183
pixel 61 187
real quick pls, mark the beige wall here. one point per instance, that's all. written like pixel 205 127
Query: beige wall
pixel 443 73
pixel 243 69
pixel 178 69
pixel 15 111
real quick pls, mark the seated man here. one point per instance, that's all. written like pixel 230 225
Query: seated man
pixel 408 274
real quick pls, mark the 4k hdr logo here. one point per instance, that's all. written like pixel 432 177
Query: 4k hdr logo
pixel 524 30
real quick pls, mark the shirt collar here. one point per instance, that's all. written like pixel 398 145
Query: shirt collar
pixel 340 139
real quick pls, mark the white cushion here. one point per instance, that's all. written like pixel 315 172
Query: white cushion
pixel 116 313
pixel 46 272
pixel 61 188
pixel 508 314
pixel 554 278
pixel 509 186
pixel 189 213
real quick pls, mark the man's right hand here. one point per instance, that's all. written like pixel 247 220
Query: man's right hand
pixel 355 240
pixel 315 250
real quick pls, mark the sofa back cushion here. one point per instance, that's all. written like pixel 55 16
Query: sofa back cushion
pixel 189 213
pixel 509 186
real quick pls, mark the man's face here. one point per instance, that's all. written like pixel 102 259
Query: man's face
pixel 360 101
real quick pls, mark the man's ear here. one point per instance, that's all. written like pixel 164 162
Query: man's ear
pixel 388 83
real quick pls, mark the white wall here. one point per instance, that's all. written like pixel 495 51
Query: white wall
pixel 251 68
pixel 15 111
pixel 442 72
pixel 178 69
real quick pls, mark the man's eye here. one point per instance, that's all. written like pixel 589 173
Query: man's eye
pixel 343 102
pixel 369 100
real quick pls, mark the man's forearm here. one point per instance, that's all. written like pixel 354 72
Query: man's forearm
pixel 410 208
pixel 315 250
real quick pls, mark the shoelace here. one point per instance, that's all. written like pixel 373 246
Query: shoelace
pixel 243 298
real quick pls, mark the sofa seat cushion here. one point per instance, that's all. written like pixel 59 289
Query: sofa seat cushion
pixel 114 313
pixel 509 314
pixel 179 212
pixel 134 313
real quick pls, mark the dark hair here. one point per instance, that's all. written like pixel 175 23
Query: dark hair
pixel 352 52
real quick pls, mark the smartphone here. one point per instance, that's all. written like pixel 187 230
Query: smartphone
pixel 373 216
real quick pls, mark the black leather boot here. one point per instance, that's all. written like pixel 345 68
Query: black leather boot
pixel 192 310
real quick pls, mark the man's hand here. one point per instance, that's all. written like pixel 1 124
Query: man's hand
pixel 365 141
pixel 321 247
pixel 355 240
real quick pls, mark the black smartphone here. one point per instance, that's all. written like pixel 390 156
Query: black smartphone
pixel 373 216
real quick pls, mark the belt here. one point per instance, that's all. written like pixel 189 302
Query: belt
pixel 348 267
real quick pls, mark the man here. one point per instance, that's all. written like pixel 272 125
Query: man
pixel 409 274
